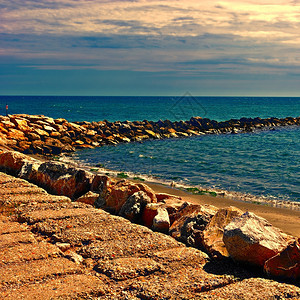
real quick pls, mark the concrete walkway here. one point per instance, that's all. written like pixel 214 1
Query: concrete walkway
pixel 52 248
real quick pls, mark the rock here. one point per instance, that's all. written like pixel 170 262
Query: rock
pixel 121 191
pixel 76 258
pixel 21 124
pixel 285 264
pixel 16 134
pixel 213 233
pixel 190 221
pixel 251 239
pixel 149 213
pixel 119 194
pixel 150 193
pixel 12 161
pixel 40 132
pixel 63 246
pixel 161 222
pixel 61 180
pixel 134 206
pixel 32 136
pixel 89 198
pixel 172 205
pixel 162 196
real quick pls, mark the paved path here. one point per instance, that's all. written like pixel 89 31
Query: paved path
pixel 52 248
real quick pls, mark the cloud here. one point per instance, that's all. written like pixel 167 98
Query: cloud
pixel 183 37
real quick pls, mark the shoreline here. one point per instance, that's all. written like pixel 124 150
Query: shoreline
pixel 286 217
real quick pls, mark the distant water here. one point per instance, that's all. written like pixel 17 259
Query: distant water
pixel 264 163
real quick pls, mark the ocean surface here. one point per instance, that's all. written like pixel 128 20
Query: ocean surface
pixel 265 163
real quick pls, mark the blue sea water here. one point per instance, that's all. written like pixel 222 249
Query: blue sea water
pixel 265 163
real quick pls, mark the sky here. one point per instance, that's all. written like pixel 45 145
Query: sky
pixel 148 47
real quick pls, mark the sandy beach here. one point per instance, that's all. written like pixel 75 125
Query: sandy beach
pixel 286 219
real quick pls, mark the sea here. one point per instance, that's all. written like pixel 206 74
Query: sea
pixel 265 164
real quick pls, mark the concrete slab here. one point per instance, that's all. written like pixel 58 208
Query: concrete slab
pixel 27 252
pixel 37 270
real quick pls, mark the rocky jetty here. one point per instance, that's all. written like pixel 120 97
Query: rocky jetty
pixel 221 233
pixel 47 136
pixel 53 248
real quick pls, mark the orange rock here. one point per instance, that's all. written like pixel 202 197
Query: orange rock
pixel 149 213
pixel 162 196
pixel 189 223
pixel 16 135
pixel 213 233
pixel 21 124
pixel 253 240
pixel 55 134
pixel 41 132
pixel 23 146
pixel 7 124
pixel 119 194
pixel 150 193
pixel 32 136
pixel 286 263
pixel 3 130
pixel 13 161
pixel 88 198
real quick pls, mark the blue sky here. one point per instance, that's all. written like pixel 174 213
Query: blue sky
pixel 84 47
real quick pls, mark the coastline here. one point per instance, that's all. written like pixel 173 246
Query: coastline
pixel 285 216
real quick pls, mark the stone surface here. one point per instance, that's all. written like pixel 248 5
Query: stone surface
pixel 213 233
pixel 251 239
pixel 161 222
pixel 108 257
pixel 134 206
pixel 121 191
pixel 190 221
pixel 125 268
pixel 285 264
pixel 89 198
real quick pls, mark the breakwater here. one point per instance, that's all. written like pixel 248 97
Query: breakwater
pixel 32 134
pixel 222 233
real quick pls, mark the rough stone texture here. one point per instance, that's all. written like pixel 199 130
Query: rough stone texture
pixel 285 264
pixel 251 239
pixel 121 191
pixel 108 257
pixel 125 268
pixel 77 286
pixel 28 271
pixel 89 198
pixel 213 233
pixel 12 161
pixel 189 223
pixel 161 222
pixel 46 136
pixel 60 180
pixel 254 288
pixel 149 213
pixel 134 206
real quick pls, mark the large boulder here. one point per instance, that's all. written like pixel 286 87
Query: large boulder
pixel 58 178
pixel 121 191
pixel 286 263
pixel 189 223
pixel 213 233
pixel 253 240
pixel 12 161
pixel 134 206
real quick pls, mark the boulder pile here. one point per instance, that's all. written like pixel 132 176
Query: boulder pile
pixel 222 233
pixel 31 134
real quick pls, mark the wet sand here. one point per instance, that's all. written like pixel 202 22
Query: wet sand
pixel 287 220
